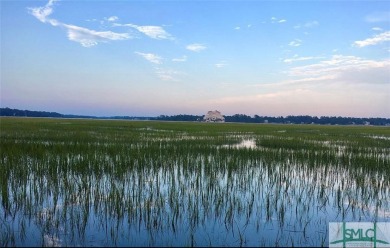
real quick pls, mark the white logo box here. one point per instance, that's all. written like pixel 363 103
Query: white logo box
pixel 359 234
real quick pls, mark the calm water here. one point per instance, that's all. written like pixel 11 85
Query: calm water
pixel 230 195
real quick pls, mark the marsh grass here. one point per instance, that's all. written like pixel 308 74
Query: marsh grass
pixel 95 182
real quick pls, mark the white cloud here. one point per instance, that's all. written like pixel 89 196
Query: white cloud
pixel 86 37
pixel 277 20
pixel 377 29
pixel 154 32
pixel 196 47
pixel 379 16
pixel 92 20
pixel 153 58
pixel 379 38
pixel 348 69
pixel 310 24
pixel 307 80
pixel 221 64
pixel 167 74
pixel 239 27
pixel 297 58
pixel 112 18
pixel 295 43
pixel 328 101
pixel 182 59
pixel 42 13
pixel 340 85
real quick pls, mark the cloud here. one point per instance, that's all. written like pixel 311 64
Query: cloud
pixel 379 38
pixel 154 32
pixel 86 37
pixel 112 18
pixel 310 24
pixel 277 20
pixel 153 58
pixel 347 69
pixel 239 27
pixel 221 64
pixel 329 101
pixel 297 58
pixel 379 16
pixel 295 43
pixel 339 85
pixel 196 47
pixel 42 13
pixel 167 74
pixel 182 59
pixel 377 29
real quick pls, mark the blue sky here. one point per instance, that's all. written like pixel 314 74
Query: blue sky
pixel 146 58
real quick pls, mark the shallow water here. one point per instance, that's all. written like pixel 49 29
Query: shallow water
pixel 255 204
pixel 175 191
pixel 245 143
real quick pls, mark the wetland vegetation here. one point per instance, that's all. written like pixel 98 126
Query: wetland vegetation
pixel 71 182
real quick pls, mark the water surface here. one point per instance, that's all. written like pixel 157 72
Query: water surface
pixel 143 184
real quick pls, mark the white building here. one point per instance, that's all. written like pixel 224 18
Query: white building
pixel 214 116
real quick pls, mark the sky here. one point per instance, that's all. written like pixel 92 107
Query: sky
pixel 150 58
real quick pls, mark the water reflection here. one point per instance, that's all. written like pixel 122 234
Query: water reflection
pixel 166 193
pixel 245 143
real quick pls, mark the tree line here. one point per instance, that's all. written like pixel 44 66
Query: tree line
pixel 300 119
pixel 30 113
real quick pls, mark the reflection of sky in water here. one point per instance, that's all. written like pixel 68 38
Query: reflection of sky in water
pixel 245 143
pixel 202 204
pixel 217 198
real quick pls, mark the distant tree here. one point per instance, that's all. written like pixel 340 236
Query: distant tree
pixel 179 117
pixel 305 119
pixel 27 113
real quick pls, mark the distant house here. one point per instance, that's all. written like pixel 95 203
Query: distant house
pixel 214 116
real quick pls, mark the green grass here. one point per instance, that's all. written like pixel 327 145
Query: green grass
pixel 166 175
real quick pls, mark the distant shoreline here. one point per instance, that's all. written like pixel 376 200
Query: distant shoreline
pixel 237 118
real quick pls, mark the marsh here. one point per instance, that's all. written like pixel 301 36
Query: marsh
pixel 146 183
